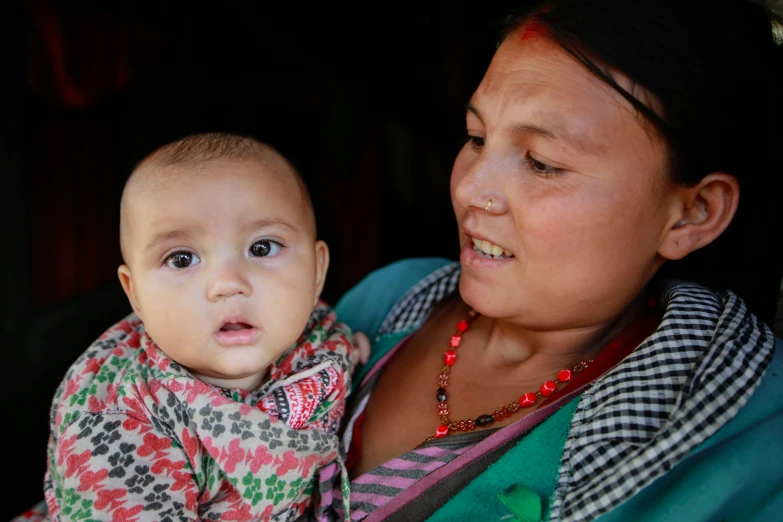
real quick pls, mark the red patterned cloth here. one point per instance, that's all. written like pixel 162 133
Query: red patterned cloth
pixel 135 437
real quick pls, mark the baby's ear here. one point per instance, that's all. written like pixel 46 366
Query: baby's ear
pixel 703 213
pixel 126 280
pixel 321 267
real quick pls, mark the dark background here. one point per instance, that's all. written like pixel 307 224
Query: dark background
pixel 367 100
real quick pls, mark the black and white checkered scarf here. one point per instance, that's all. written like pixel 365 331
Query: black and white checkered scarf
pixel 638 420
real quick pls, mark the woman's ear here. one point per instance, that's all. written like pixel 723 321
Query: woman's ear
pixel 126 280
pixel 704 211
pixel 321 267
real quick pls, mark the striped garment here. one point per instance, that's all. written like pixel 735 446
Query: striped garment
pixel 375 488
pixel 382 483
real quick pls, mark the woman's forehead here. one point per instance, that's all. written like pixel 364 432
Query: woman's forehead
pixel 533 81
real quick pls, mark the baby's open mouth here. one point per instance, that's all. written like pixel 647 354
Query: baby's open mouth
pixel 236 332
pixel 230 327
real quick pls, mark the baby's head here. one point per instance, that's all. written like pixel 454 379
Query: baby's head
pixel 221 259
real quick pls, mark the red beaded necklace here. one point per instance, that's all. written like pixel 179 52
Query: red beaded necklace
pixel 482 421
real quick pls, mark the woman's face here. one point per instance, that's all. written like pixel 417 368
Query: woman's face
pixel 581 199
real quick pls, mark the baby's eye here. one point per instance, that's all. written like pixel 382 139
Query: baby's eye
pixel 182 259
pixel 264 248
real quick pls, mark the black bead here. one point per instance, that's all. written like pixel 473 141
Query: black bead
pixel 441 395
pixel 484 420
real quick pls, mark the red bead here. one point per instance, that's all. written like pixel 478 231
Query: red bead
pixel 442 431
pixel 456 339
pixel 462 326
pixel 547 388
pixel 564 376
pixel 449 357
pixel 527 400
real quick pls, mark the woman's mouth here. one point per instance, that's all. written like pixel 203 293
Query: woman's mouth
pixel 490 250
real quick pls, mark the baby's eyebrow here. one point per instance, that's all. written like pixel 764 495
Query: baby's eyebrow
pixel 165 236
pixel 269 222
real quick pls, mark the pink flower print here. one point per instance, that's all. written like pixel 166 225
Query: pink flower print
pixel 88 479
pixel 191 500
pixel 190 444
pixel 243 513
pixel 213 450
pixel 233 456
pixel 154 444
pixel 195 389
pixel 153 389
pixel 76 464
pixel 166 465
pixel 133 339
pixel 65 449
pixel 136 409
pixel 181 480
pixel 220 400
pixel 307 463
pixel 71 387
pixel 93 365
pixel 174 386
pixel 95 405
pixel 260 458
pixel 113 497
pixel 111 394
pixel 125 515
pixel 288 463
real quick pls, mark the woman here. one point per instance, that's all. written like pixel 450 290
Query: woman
pixel 563 369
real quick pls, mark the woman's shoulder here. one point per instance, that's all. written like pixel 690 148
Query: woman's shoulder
pixel 365 306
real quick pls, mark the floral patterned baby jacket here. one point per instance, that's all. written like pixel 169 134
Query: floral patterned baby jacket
pixel 135 437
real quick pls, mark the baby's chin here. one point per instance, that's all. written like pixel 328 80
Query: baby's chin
pixel 247 382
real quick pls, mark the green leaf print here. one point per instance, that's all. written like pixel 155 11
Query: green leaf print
pixel 295 486
pixel 320 410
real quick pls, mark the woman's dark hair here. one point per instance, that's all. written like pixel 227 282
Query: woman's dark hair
pixel 714 70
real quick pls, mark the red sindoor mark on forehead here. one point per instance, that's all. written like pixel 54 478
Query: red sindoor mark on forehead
pixel 534 28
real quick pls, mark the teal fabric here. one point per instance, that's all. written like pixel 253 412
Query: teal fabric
pixel 532 463
pixel 365 306
pixel 728 478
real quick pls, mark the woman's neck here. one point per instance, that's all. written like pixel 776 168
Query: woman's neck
pixel 508 344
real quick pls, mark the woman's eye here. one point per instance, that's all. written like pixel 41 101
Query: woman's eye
pixel 265 248
pixel 182 260
pixel 476 142
pixel 541 168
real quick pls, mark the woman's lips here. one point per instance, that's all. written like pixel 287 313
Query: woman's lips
pixel 237 337
pixel 472 259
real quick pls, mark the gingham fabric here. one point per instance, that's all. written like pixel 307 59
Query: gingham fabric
pixel 633 424
pixel 417 304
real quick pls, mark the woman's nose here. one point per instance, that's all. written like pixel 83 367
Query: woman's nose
pixel 478 187
pixel 229 280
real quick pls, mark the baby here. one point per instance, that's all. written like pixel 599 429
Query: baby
pixel 219 398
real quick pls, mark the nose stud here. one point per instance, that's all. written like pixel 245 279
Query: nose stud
pixel 489 204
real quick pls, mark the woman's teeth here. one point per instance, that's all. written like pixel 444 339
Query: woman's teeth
pixel 490 249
